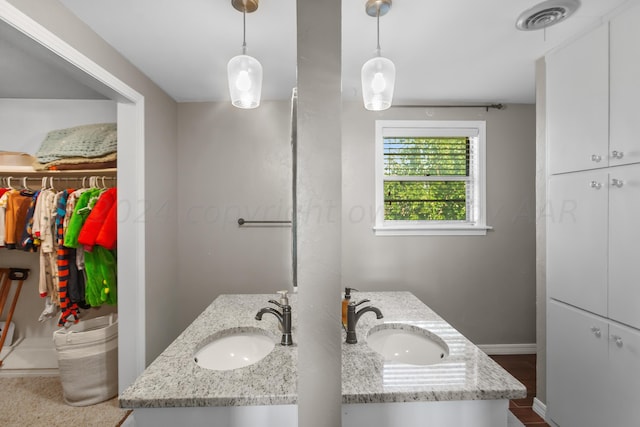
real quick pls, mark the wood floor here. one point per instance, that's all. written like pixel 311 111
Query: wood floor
pixel 523 367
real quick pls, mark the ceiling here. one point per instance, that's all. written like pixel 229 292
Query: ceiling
pixel 455 51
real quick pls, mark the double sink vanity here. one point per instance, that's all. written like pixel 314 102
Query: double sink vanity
pixel 409 368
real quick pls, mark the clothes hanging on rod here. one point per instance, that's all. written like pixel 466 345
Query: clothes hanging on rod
pixel 75 233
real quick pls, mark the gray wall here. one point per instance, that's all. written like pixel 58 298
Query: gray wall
pixel 483 285
pixel 490 298
pixel 233 161
pixel 160 166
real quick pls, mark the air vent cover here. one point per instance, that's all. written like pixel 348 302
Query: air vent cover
pixel 546 14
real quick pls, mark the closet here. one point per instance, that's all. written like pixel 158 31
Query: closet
pixel 32 347
pixel 25 119
pixel 593 233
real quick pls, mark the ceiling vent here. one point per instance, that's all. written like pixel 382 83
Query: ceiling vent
pixel 546 14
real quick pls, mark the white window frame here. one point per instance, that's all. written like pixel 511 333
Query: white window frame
pixel 476 130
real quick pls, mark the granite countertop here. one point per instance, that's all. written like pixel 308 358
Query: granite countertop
pixel 175 380
pixel 467 373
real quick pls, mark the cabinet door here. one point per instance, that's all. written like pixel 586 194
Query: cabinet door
pixel 576 363
pixel 624 376
pixel 577 240
pixel 578 104
pixel 625 88
pixel 624 244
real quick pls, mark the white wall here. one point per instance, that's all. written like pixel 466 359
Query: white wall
pixel 541 231
pixel 24 123
pixel 483 285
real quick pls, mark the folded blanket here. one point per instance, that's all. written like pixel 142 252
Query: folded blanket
pixel 84 166
pixel 74 163
pixel 81 141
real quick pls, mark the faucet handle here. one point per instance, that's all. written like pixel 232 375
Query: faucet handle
pixel 282 306
pixel 355 304
pixel 272 301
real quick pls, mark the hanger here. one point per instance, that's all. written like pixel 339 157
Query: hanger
pixel 9 178
pixel 24 184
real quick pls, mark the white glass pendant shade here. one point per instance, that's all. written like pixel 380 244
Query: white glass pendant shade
pixel 245 81
pixel 378 80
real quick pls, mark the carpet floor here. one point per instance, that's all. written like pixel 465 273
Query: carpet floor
pixel 37 401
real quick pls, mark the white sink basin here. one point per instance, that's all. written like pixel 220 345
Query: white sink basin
pixel 233 349
pixel 407 344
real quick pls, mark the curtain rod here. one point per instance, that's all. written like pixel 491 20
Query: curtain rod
pixel 485 106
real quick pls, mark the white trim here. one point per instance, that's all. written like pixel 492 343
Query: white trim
pixel 417 128
pixel 417 230
pixel 132 240
pixel 503 349
pixel 539 408
pixel 131 266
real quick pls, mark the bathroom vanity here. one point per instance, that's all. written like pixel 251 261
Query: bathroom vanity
pixel 464 387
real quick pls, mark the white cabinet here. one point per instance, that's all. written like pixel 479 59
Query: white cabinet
pixel 624 376
pixel 577 217
pixel 592 98
pixel 578 104
pixel 593 227
pixel 624 245
pixel 593 375
pixel 593 241
pixel 625 88
pixel 576 361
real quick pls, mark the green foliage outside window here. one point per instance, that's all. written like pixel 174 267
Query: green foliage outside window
pixel 437 188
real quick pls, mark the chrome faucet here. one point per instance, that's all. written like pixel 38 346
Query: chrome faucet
pixel 353 317
pixel 284 318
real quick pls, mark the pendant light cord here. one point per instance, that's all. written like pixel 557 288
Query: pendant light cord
pixel 244 31
pixel 378 30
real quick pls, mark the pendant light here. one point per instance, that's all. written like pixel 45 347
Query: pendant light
pixel 243 71
pixel 378 73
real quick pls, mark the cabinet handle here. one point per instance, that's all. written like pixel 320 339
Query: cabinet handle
pixel 596 158
pixel 617 183
pixel 617 339
pixel 596 185
pixel 596 331
pixel 617 154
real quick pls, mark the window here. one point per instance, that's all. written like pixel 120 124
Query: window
pixel 430 177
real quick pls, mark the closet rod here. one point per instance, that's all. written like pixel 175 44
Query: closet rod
pixel 59 178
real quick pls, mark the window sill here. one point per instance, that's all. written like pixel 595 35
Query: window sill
pixel 445 230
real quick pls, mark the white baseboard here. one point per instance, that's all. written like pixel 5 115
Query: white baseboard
pixel 539 408
pixel 501 349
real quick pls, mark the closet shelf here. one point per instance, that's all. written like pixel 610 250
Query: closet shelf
pixel 20 171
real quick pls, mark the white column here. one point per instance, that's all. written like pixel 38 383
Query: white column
pixel 318 208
